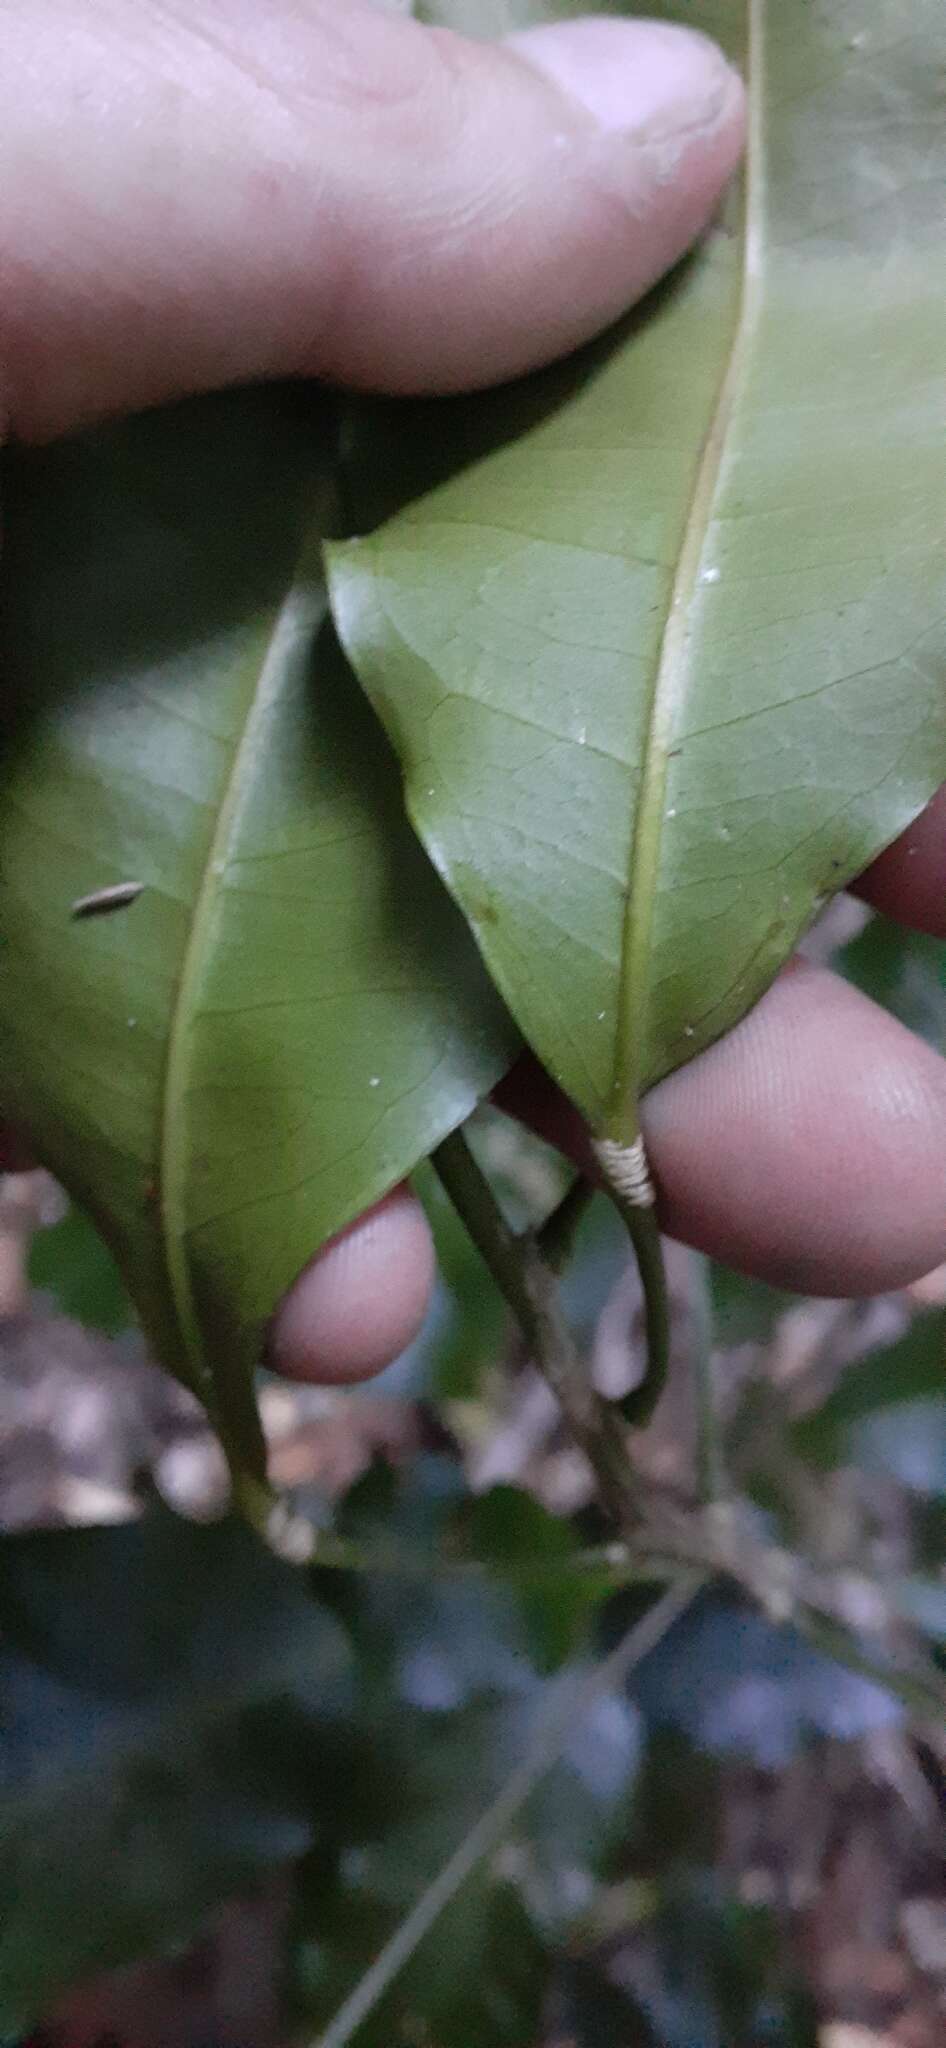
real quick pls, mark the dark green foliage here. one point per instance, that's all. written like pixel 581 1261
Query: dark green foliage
pixel 662 672
pixel 174 1711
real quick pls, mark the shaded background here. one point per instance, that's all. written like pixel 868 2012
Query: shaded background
pixel 225 1779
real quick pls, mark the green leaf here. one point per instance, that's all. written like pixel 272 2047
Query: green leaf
pixel 898 1376
pixel 923 1602
pixel 595 2013
pixel 906 1443
pixel 291 1013
pixel 172 1709
pixel 464 1736
pixel 463 1630
pixel 735 1683
pixel 659 636
pixel 904 971
pixel 478 1982
pixel 506 1527
pixel 70 1262
pixel 745 1311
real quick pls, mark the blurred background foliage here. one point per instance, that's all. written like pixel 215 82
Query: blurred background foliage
pixel 603 1813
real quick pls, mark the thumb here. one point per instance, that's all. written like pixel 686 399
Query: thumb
pixel 202 194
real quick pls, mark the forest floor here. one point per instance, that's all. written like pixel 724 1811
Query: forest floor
pixel 843 1839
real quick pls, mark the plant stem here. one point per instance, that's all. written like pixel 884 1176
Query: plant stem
pixel 556 1239
pixel 638 1406
pixel 711 1480
pixel 253 1498
pixel 529 1287
pixel 663 1556
pixel 611 1566
pixel 495 1823
pixel 922 1692
pixel 625 1170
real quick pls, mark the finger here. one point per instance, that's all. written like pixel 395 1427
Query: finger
pixel 807 1148
pixel 909 880
pixel 361 1301
pixel 205 194
pixel 357 1305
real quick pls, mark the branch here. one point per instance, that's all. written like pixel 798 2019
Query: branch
pixel 612 1567
pixel 494 1824
pixel 711 1477
pixel 625 1169
pixel 556 1239
pixel 638 1406
pixel 529 1286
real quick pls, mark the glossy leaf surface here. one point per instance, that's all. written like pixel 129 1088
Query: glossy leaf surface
pixel 899 1378
pixel 174 1710
pixel 455 1701
pixel 291 1013
pixel 660 636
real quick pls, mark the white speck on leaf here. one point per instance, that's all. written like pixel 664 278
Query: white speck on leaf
pixel 711 576
pixel 120 896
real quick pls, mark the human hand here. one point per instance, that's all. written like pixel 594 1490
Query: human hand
pixel 197 195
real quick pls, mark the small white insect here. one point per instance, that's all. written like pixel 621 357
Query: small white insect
pixel 102 901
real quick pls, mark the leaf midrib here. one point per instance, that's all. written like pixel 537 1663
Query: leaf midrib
pixel 301 606
pixel 671 674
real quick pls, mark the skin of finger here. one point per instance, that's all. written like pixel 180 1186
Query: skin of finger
pixel 252 191
pixel 807 1148
pixel 356 1306
pixel 538 195
pixel 908 881
pixel 882 883
pixel 362 1301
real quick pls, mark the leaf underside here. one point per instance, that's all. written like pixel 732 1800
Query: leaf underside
pixel 291 1013
pixel 659 636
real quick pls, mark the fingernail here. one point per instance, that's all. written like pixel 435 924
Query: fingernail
pixel 633 76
